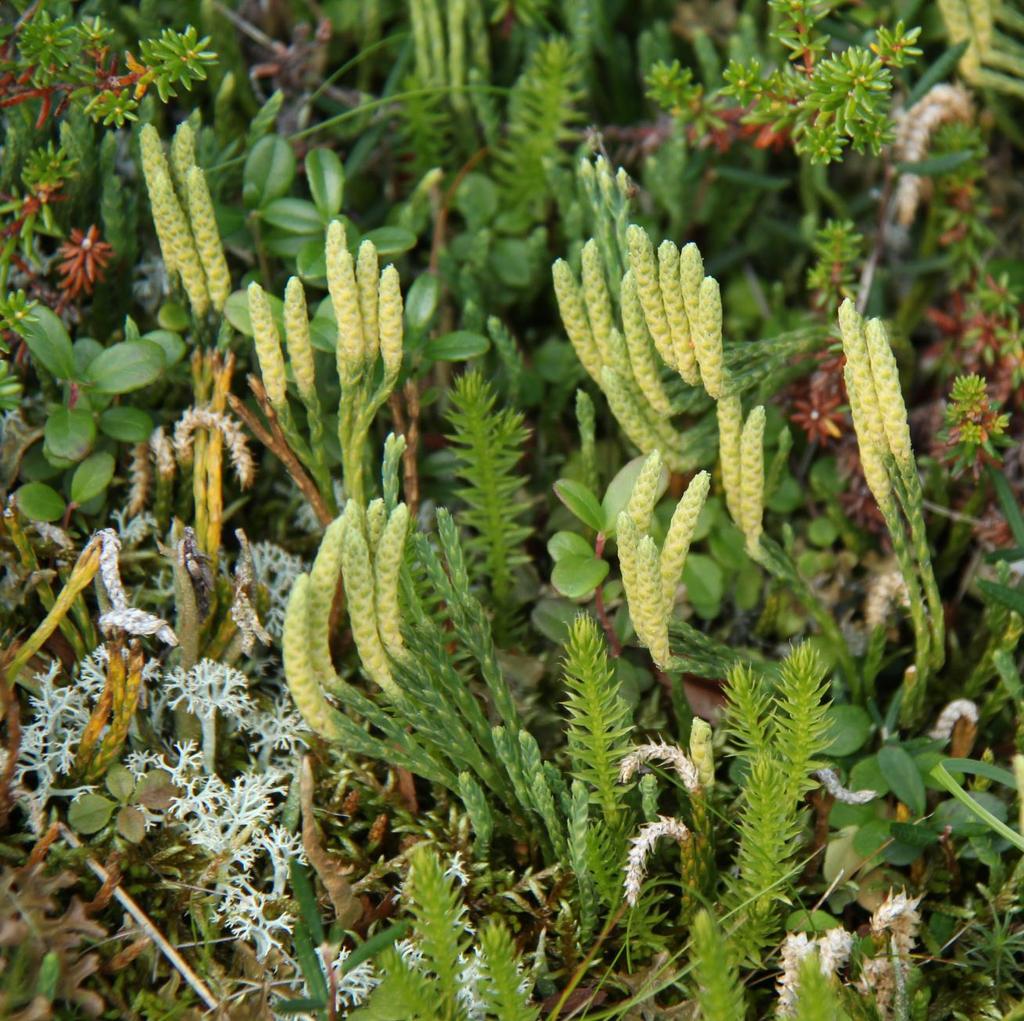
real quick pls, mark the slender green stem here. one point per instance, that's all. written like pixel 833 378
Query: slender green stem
pixel 922 634
pixel 578 974
pixel 362 55
pixel 940 775
pixel 373 104
pixel 318 460
pixel 311 454
pixel 352 430
pixel 776 561
pixel 43 588
pixel 294 437
pixel 81 577
pixel 908 491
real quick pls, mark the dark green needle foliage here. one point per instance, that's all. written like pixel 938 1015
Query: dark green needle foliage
pixel 489 446
pixel 783 733
pixel 542 116
pixel 715 975
pixel 599 721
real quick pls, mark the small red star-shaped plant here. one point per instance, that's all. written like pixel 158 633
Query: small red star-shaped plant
pixel 83 259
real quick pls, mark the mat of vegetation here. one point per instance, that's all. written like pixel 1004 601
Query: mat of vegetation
pixel 512 509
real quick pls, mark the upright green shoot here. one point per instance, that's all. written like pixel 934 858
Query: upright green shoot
pixel 489 445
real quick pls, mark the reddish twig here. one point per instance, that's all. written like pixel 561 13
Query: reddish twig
pixel 12 715
pixel 602 614
pixel 409 427
pixel 274 440
pixel 106 891
pixel 441 223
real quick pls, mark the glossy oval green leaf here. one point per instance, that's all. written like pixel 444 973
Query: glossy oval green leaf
pixel 476 198
pixel 172 344
pixel 129 425
pixel 288 246
pixel 569 544
pixel 705 584
pixel 90 813
pixel 85 349
pixel 390 240
pixel 871 836
pixel 294 216
pixel 236 312
pixel 48 342
pixel 127 366
pixel 512 261
pixel 323 328
pixel 619 490
pixel 850 726
pixel 174 317
pixel 325 176
pixel 269 171
pixel 822 532
pixel 914 834
pixel 961 818
pixel 120 782
pixel 40 502
pixel 577 576
pixel 726 545
pixel 851 815
pixel 803 920
pixel 311 261
pixel 903 777
pixel 421 301
pixel 457 346
pixel 92 476
pixel 553 618
pixel 974 804
pixel 866 775
pixel 68 435
pixel 36 468
pixel 581 502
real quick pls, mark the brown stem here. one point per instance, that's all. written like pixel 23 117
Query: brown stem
pixel 441 223
pixel 407 788
pixel 41 848
pixel 273 439
pixel 12 714
pixel 410 428
pixel 822 803
pixel 106 892
pixel 868 273
pixel 602 614
pixel 347 907
pixel 578 974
